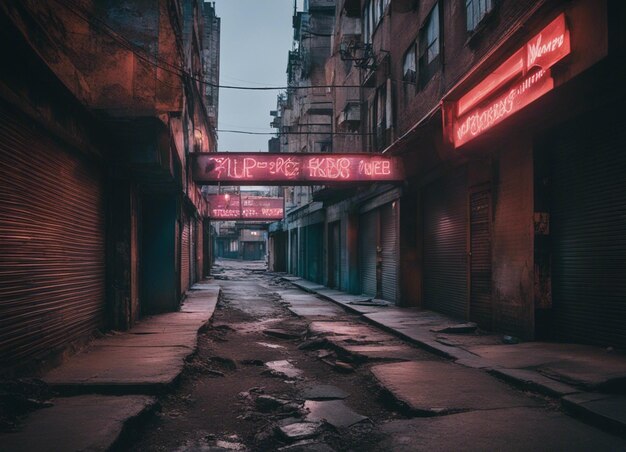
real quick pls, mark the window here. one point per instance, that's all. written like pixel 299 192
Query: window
pixel 430 46
pixel 409 67
pixel 372 14
pixel 476 11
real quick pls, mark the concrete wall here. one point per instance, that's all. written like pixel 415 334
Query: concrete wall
pixel 513 235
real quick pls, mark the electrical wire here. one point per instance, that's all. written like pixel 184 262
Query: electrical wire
pixel 291 133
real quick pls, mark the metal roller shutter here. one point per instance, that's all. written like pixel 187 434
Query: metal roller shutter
pixel 481 310
pixel 315 236
pixel 52 247
pixel 368 240
pixel 445 244
pixel 588 227
pixel 389 244
pixel 184 254
pixel 192 250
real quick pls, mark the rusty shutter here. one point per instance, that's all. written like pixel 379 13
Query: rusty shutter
pixel 52 247
pixel 200 250
pixel 192 250
pixel 184 254
pixel 389 244
pixel 481 310
pixel 445 249
pixel 588 228
pixel 368 241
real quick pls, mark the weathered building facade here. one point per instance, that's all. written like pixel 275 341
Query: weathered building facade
pixel 100 222
pixel 507 116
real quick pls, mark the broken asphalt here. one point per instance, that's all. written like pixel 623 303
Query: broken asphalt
pixel 589 382
pixel 113 382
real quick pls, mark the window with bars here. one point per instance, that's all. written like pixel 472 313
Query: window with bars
pixel 476 10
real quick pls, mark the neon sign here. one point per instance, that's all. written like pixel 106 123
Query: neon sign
pixel 231 207
pixel 262 168
pixel 519 81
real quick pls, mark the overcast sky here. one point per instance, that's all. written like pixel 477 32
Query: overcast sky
pixel 256 36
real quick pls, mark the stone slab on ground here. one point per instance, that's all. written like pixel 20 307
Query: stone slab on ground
pixel 604 409
pixel 323 392
pixel 398 352
pixel 432 387
pixel 335 412
pixel 300 430
pixel 535 381
pixel 307 285
pixel 120 369
pixel 82 423
pixel 350 330
pixel 579 365
pixel 145 360
pixel 511 429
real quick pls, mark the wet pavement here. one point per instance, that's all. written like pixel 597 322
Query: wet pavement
pixel 280 368
pixel 283 369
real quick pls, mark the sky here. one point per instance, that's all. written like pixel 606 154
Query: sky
pixel 256 36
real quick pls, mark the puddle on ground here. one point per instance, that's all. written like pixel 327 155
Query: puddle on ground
pixel 268 345
pixel 284 367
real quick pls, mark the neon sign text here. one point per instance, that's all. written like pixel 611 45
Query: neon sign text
pixel 241 207
pixel 262 168
pixel 520 80
pixel 521 95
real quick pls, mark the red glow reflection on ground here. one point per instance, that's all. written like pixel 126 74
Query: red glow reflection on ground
pixel 520 80
pixel 234 207
pixel 297 169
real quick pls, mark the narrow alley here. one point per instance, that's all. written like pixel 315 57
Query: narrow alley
pixel 312 225
pixel 282 369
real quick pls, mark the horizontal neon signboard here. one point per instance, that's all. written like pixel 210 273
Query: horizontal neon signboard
pixel 262 168
pixel 520 80
pixel 231 207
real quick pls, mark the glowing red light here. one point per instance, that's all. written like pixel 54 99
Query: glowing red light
pixel 520 80
pixel 227 207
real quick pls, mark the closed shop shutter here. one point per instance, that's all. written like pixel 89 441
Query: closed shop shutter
pixel 588 228
pixel 52 247
pixel 445 249
pixel 200 250
pixel 184 254
pixel 192 250
pixel 389 243
pixel 481 310
pixel 315 234
pixel 368 240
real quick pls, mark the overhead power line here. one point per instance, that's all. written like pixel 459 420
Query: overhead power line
pixel 245 132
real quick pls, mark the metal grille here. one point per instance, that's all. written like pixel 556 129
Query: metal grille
pixel 445 248
pixel 480 259
pixel 389 243
pixel 588 227
pixel 184 254
pixel 52 248
pixel 368 240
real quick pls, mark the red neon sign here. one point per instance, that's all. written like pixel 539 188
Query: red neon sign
pixel 519 81
pixel 231 207
pixel 262 168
